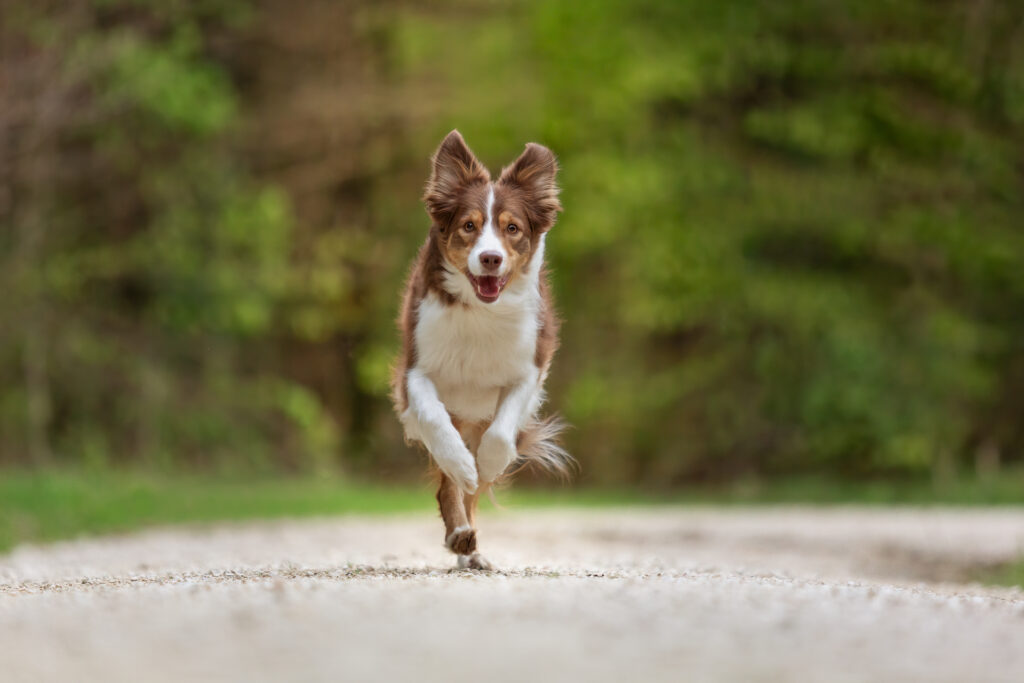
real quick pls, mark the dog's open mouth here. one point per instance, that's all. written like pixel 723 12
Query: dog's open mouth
pixel 488 287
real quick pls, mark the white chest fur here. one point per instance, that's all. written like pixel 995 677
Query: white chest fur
pixel 471 352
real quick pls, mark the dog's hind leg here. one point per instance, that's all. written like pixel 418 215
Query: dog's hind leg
pixel 459 536
pixel 471 434
pixel 473 560
pixel 458 509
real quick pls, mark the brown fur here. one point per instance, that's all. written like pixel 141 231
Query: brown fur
pixel 451 501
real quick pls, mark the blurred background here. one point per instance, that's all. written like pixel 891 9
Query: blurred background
pixel 792 245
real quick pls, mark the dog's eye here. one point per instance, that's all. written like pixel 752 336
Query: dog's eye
pixel 512 228
pixel 469 227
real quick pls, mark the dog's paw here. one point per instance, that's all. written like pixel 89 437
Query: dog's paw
pixel 475 561
pixel 457 463
pixel 462 540
pixel 466 478
pixel 496 453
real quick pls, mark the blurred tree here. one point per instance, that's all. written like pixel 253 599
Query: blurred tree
pixel 791 231
pixel 792 239
pixel 145 267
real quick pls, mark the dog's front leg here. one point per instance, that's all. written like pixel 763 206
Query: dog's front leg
pixel 498 445
pixel 433 426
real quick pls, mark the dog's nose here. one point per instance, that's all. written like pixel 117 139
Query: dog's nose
pixel 490 260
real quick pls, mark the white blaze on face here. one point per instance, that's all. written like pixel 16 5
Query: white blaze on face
pixel 488 241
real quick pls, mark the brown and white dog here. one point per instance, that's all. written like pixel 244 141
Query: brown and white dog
pixel 479 331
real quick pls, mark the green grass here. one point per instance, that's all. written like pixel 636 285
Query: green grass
pixel 1006 490
pixel 1009 574
pixel 56 504
pixel 63 504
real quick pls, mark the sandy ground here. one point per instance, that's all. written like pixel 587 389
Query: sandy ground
pixel 658 595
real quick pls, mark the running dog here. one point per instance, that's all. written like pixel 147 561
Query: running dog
pixel 479 331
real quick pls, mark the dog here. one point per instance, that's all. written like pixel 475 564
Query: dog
pixel 479 331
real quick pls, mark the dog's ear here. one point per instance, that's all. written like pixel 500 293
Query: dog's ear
pixel 454 169
pixel 534 174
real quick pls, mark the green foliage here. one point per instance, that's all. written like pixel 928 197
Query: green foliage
pixel 161 264
pixel 168 81
pixel 771 215
pixel 791 240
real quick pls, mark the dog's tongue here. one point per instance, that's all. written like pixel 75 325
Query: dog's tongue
pixel 488 285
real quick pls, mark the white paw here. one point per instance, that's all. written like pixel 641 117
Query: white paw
pixel 457 463
pixel 495 454
pixel 474 561
pixel 465 476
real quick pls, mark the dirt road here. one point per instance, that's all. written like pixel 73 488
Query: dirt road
pixel 659 595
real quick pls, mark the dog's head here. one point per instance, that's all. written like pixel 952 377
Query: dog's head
pixel 489 231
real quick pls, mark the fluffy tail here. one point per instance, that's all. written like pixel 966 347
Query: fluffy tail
pixel 538 444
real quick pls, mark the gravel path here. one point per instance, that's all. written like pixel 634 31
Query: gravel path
pixel 657 595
